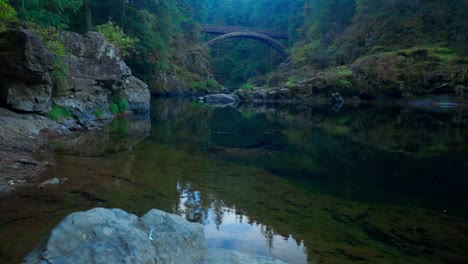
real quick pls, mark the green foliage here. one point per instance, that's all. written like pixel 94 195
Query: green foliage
pixel 123 105
pixel 345 83
pixel 247 86
pixel 334 32
pixel 6 13
pixel 113 108
pixel 198 85
pixel 427 53
pixel 212 83
pixel 118 105
pixel 291 81
pixel 116 36
pixel 343 71
pixel 50 37
pixel 50 13
pixel 58 113
pixel 99 112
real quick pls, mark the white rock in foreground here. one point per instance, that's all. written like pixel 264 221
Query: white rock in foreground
pixel 115 236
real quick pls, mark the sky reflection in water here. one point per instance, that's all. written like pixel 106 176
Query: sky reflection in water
pixel 229 228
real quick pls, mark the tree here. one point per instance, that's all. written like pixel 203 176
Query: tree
pixel 88 15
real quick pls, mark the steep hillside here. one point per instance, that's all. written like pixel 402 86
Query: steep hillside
pixel 369 48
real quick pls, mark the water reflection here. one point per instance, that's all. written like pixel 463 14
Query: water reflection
pixel 229 228
pixel 366 184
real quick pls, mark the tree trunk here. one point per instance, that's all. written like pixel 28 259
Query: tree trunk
pixel 122 22
pixel 89 15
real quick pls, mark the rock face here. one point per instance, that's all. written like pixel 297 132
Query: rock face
pixel 25 82
pixel 98 79
pixel 114 236
pixel 220 99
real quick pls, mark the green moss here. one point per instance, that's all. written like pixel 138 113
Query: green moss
pixel 58 113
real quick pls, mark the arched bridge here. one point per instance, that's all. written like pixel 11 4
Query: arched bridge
pixel 262 35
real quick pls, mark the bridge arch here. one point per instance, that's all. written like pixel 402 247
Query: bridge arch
pixel 251 35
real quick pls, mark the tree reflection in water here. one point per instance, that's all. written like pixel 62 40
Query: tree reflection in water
pixel 230 228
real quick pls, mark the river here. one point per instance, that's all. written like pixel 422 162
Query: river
pixel 364 184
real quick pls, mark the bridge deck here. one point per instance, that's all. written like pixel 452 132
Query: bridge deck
pixel 215 29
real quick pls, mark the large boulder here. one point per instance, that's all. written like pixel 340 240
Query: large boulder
pixel 24 56
pixel 25 82
pixel 137 94
pixel 92 61
pixel 98 77
pixel 114 236
pixel 25 97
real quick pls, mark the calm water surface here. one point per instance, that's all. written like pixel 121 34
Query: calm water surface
pixel 302 184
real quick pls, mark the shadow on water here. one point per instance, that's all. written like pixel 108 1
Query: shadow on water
pixel 303 184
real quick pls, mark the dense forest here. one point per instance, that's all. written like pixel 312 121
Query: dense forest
pixel 162 36
pixel 153 35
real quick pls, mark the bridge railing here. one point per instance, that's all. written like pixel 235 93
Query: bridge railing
pixel 216 29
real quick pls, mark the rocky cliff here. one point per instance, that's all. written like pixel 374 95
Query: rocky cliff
pixel 95 83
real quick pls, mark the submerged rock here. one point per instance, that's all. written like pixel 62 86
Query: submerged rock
pixel 115 236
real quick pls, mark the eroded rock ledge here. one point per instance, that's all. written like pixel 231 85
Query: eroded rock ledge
pixel 115 236
pixel 94 82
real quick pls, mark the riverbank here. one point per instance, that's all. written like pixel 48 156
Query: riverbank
pixel 51 84
pixel 22 157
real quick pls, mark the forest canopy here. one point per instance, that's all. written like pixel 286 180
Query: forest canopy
pixel 321 33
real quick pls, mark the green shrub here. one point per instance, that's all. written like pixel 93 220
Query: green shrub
pixel 198 86
pixel 343 71
pixel 291 81
pixel 123 105
pixel 119 105
pixel 58 113
pixel 247 86
pixel 6 13
pixel 212 83
pixel 116 36
pixel 99 112
pixel 113 108
pixel 344 83
pixel 50 37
